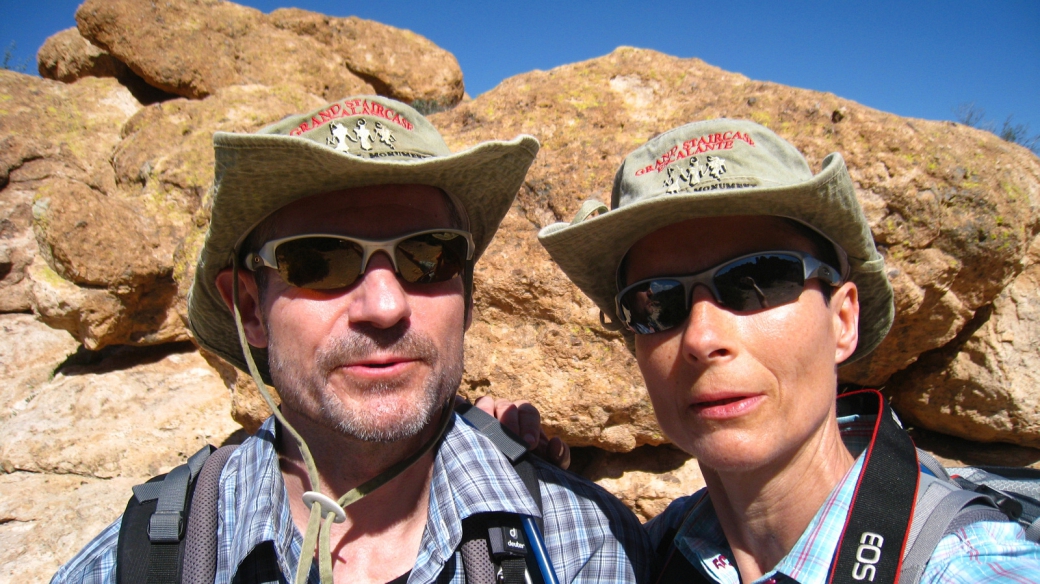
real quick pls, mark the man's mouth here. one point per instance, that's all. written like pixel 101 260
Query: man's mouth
pixel 380 367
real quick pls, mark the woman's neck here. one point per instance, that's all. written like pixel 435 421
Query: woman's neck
pixel 763 511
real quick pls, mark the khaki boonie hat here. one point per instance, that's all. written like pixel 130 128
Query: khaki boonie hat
pixel 713 169
pixel 356 142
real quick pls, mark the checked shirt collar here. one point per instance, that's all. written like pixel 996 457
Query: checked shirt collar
pixel 468 477
pixel 701 540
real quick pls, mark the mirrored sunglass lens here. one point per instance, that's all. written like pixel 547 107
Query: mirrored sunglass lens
pixel 319 263
pixel 654 306
pixel 431 257
pixel 761 281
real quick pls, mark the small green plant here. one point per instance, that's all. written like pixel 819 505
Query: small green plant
pixel 9 63
pixel 1019 134
pixel 428 107
pixel 972 115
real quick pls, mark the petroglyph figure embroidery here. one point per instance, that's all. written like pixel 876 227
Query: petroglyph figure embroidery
pixel 361 136
pixel 385 135
pixel 338 139
pixel 715 167
pixel 672 186
pixel 693 174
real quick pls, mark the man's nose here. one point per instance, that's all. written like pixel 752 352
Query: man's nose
pixel 707 333
pixel 379 299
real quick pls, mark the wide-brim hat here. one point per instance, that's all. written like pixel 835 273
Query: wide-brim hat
pixel 356 142
pixel 723 168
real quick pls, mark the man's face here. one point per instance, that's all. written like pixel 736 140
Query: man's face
pixel 741 391
pixel 376 360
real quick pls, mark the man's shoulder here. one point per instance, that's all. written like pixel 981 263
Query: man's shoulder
pixel 590 534
pixel 95 563
pixel 583 520
pixel 555 480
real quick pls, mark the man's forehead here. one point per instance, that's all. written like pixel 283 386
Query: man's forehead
pixel 366 211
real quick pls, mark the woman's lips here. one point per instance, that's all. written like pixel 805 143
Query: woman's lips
pixel 726 407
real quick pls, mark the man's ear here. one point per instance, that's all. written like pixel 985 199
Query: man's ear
pixel 248 304
pixel 845 308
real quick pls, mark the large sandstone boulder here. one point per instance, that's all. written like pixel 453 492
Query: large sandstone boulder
pixel 46 518
pixel 122 412
pixel 67 57
pixel 77 432
pixel 17 248
pixel 985 385
pixel 952 209
pixel 193 48
pixel 646 479
pixel 954 234
pixel 30 351
pixel 398 63
pixel 53 137
pixel 115 249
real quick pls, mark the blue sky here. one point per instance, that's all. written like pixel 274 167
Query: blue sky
pixel 919 59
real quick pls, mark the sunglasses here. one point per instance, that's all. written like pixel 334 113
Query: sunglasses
pixel 326 262
pixel 753 282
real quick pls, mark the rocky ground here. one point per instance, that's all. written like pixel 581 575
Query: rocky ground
pixel 105 168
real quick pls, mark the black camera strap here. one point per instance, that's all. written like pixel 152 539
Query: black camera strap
pixel 871 546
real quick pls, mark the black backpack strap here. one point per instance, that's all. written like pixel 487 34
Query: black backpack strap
pixel 494 549
pixel 486 546
pixel 151 534
pixel 200 542
pixel 509 444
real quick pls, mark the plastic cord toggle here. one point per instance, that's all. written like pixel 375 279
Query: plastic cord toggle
pixel 327 506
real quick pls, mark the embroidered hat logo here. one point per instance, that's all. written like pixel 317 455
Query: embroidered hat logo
pixel 695 146
pixel 342 137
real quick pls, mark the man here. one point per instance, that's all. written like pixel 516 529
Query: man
pixel 745 282
pixel 338 268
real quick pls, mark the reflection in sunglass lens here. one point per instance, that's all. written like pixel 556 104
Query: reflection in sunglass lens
pixel 760 282
pixel 431 257
pixel 319 263
pixel 744 285
pixel 655 306
pixel 326 263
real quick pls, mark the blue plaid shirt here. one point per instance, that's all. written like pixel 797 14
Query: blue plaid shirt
pixel 981 552
pixel 590 535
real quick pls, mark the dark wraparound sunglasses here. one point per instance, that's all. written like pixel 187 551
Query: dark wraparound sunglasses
pixel 745 284
pixel 320 261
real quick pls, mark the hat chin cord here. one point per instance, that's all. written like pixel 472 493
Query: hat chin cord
pixel 323 510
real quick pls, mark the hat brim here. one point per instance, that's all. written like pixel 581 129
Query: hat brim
pixel 255 175
pixel 590 252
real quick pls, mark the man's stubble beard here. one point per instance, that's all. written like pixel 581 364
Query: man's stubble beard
pixel 402 420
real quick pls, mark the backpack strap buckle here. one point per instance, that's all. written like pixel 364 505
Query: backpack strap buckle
pixel 507 542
